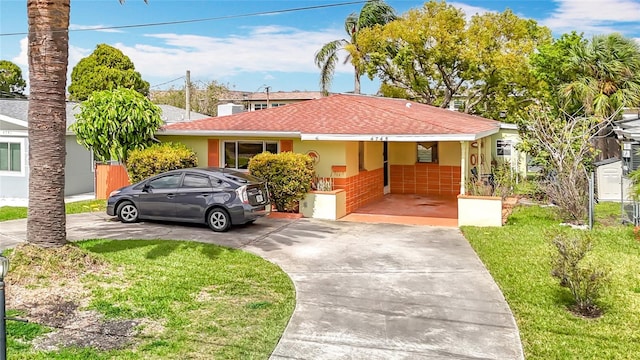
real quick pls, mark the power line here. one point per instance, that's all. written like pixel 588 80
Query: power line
pixel 166 82
pixel 272 12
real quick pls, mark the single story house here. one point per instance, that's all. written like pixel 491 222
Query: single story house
pixel 80 167
pixel 369 146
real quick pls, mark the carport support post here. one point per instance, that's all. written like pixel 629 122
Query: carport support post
pixel 463 166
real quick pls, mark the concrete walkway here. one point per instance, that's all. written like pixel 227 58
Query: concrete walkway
pixel 364 291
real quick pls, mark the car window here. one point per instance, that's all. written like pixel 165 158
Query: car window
pixel 195 181
pixel 165 182
pixel 219 184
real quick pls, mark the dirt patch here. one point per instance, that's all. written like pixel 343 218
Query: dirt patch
pixel 48 290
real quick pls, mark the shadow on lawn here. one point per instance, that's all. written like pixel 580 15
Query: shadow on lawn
pixel 157 248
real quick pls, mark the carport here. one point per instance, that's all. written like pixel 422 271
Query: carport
pixel 409 209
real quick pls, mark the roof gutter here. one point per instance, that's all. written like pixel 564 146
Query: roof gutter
pixel 282 134
pixel 398 138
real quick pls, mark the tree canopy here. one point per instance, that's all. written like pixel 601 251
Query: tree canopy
pixel 106 68
pixel 607 75
pixel 435 55
pixel 113 122
pixel 11 82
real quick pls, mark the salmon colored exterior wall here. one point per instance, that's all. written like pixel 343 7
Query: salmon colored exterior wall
pixel 110 178
pixel 362 189
pixel 286 145
pixel 213 152
pixel 425 179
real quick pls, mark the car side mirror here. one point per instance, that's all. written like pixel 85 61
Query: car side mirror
pixel 146 188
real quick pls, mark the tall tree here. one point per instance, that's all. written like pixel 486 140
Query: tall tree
pixel 374 12
pixel 551 66
pixel 11 82
pixel 435 55
pixel 607 79
pixel 106 68
pixel 48 56
pixel 607 72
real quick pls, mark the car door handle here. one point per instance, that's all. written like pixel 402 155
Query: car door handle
pixel 170 196
pixel 205 195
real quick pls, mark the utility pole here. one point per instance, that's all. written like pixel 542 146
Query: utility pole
pixel 187 94
pixel 267 90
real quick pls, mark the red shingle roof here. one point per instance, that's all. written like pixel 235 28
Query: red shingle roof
pixel 347 115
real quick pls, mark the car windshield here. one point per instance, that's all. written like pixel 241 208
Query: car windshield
pixel 240 176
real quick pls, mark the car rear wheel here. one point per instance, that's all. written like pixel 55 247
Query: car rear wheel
pixel 127 212
pixel 218 220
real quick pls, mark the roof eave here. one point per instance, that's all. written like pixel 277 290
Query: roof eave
pixel 242 133
pixel 399 137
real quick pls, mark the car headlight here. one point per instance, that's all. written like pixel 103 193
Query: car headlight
pixel 114 192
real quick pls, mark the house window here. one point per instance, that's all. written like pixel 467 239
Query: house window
pixel 277 105
pixel 503 147
pixel 11 156
pixel 428 152
pixel 238 153
pixel 259 106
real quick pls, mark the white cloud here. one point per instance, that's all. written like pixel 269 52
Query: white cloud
pixel 93 27
pixel 593 16
pixel 470 10
pixel 269 77
pixel 261 49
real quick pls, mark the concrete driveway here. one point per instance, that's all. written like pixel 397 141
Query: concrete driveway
pixel 364 291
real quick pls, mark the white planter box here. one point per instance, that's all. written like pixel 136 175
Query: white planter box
pixel 328 205
pixel 479 210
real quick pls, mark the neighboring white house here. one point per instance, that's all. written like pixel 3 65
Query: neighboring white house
pixel 79 169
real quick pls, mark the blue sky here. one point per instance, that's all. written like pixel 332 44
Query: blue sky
pixel 277 50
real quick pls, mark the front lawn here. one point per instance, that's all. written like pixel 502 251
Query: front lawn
pixel 519 258
pixel 20 212
pixel 141 299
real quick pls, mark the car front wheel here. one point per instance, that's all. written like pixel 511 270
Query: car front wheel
pixel 127 212
pixel 218 220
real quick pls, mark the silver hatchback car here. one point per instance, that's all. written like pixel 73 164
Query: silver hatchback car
pixel 217 197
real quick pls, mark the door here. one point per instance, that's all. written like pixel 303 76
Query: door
pixel 385 166
pixel 157 201
pixel 193 197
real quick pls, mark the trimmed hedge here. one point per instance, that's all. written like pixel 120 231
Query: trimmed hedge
pixel 159 158
pixel 288 177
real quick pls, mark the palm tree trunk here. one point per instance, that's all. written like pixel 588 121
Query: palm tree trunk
pixel 356 83
pixel 48 58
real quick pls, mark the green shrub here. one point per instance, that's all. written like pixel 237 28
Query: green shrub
pixel 288 176
pixel 582 278
pixel 159 158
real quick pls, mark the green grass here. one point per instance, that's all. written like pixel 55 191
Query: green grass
pixel 518 256
pixel 211 302
pixel 20 212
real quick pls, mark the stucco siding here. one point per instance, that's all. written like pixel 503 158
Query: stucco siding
pixel 449 153
pixel 198 144
pixel 352 158
pixel 373 155
pixel 331 153
pixel 401 153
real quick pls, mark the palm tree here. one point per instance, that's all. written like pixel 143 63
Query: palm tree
pixel 374 12
pixel 607 79
pixel 608 75
pixel 48 58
